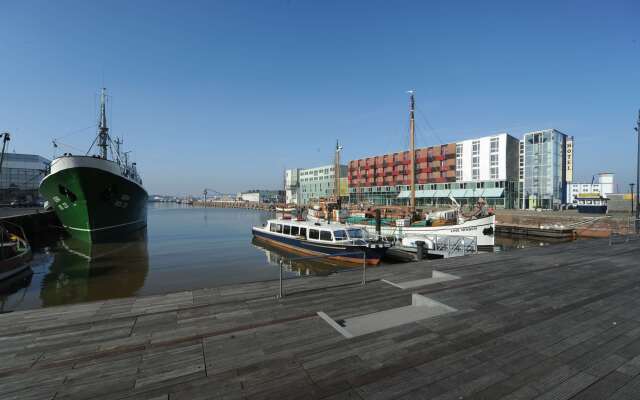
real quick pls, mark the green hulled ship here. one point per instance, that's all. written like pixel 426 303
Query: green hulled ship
pixel 97 198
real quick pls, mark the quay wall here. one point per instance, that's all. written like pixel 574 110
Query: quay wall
pixel 235 204
pixel 585 225
pixel 38 225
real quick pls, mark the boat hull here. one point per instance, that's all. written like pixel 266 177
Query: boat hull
pixel 15 265
pixel 482 228
pixel 95 204
pixel 334 252
pixel 592 209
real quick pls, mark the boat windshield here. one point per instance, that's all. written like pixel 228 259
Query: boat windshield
pixel 355 233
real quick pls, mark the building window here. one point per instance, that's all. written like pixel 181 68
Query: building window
pixel 475 160
pixel 495 145
pixel 458 162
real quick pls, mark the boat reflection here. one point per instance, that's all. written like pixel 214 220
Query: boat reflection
pixel 84 272
pixel 11 286
pixel 505 242
pixel 316 267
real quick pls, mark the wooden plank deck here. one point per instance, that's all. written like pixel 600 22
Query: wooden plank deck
pixel 558 322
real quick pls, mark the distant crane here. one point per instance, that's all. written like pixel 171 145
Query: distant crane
pixel 206 191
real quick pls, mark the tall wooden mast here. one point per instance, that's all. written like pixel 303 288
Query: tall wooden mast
pixel 336 185
pixel 412 152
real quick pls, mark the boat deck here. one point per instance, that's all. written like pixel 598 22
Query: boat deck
pixel 556 322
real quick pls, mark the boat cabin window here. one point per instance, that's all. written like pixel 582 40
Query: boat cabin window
pixel 278 228
pixel 326 235
pixel 303 232
pixel 295 231
pixel 314 234
pixel 287 230
pixel 355 233
pixel 340 235
pixel 272 227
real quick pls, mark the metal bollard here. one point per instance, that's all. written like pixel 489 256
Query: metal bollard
pixel 281 294
pixel 364 268
pixel 419 250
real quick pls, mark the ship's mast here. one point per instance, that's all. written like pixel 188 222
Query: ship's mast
pixel 336 185
pixel 103 130
pixel 412 152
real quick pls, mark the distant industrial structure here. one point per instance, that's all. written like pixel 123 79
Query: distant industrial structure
pixel 603 186
pixel 262 196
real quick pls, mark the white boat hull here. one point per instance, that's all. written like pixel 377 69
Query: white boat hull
pixel 482 228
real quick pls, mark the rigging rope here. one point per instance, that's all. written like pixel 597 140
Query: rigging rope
pixel 435 133
pixel 74 132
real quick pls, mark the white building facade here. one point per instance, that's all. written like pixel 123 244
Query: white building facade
pixel 489 158
pixel 490 162
pixel 292 186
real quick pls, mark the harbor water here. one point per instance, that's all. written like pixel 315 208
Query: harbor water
pixel 183 248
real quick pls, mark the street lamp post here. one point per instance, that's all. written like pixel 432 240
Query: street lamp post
pixel 631 185
pixel 638 175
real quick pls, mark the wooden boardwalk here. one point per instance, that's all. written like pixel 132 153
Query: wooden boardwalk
pixel 559 322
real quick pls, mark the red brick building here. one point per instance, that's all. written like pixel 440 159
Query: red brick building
pixel 436 164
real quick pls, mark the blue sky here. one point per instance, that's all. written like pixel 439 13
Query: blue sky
pixel 226 94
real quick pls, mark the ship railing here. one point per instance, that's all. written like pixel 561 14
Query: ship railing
pixel 452 246
pixel 632 234
pixel 363 254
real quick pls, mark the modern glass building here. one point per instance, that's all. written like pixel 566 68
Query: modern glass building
pixel 21 175
pixel 545 169
pixel 316 183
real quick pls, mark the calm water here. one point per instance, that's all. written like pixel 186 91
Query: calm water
pixel 183 248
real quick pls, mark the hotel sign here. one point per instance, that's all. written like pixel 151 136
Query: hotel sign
pixel 569 159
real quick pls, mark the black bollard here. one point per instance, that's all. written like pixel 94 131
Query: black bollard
pixel 419 250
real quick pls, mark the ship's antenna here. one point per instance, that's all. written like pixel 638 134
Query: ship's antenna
pixel 412 151
pixel 118 142
pixel 103 130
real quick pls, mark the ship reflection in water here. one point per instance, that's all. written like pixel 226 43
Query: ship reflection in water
pixel 91 272
pixel 296 267
pixel 70 271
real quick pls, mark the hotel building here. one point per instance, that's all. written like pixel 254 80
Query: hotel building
pixel 547 169
pixel 485 167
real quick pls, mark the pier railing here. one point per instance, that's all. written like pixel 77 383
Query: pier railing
pixel 281 291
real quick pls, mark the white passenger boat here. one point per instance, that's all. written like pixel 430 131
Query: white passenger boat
pixel 337 242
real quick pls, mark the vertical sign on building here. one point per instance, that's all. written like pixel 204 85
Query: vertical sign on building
pixel 569 158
